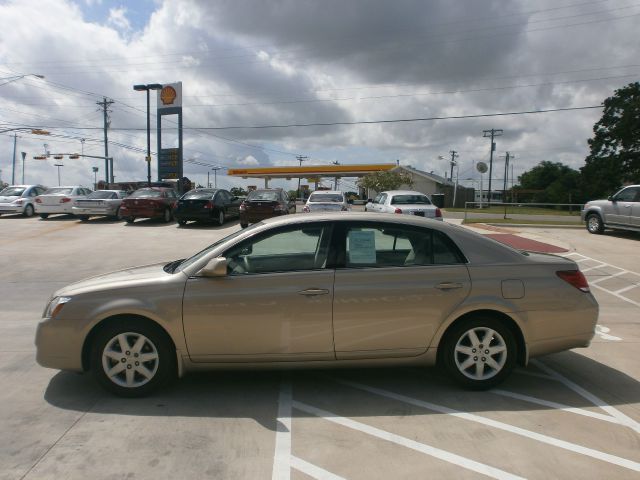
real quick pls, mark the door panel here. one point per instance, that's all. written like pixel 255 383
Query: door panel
pixel 260 317
pixel 395 309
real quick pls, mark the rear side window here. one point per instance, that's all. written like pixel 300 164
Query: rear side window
pixel 398 246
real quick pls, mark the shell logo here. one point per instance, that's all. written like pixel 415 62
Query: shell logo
pixel 168 95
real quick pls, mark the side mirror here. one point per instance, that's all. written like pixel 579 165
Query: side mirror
pixel 611 198
pixel 217 267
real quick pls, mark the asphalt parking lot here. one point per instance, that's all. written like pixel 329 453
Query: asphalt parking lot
pixel 569 415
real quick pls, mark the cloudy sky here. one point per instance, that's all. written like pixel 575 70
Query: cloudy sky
pixel 267 63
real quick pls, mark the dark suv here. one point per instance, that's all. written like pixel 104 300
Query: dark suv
pixel 266 203
pixel 620 211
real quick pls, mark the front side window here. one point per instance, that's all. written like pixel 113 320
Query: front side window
pixel 397 246
pixel 630 194
pixel 304 247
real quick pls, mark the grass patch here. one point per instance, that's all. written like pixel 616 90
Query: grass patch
pixel 514 221
pixel 524 210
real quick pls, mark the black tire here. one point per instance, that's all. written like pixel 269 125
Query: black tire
pixel 167 216
pixel 458 339
pixel 44 215
pixel 155 343
pixel 28 211
pixel 244 225
pixel 594 223
pixel 182 222
pixel 117 216
pixel 131 219
pixel 83 218
pixel 221 217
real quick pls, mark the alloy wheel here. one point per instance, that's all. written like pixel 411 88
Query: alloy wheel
pixel 480 353
pixel 130 360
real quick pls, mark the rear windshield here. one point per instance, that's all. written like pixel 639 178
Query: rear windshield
pixel 146 193
pixel 59 191
pixel 266 196
pixel 12 192
pixel 410 200
pixel 102 195
pixel 326 197
pixel 202 195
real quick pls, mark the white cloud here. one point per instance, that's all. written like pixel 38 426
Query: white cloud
pixel 118 19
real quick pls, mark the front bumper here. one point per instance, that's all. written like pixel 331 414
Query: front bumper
pixel 58 346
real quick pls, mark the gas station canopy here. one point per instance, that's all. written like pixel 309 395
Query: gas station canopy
pixel 310 171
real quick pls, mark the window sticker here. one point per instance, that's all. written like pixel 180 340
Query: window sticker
pixel 362 247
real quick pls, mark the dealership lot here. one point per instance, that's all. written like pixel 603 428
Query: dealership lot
pixel 567 415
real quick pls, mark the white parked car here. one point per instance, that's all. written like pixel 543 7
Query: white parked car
pixel 404 202
pixel 326 201
pixel 59 200
pixel 19 199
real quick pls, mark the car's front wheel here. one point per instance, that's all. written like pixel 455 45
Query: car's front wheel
pixel 221 217
pixel 167 216
pixel 131 219
pixel 28 211
pixel 480 353
pixel 594 223
pixel 44 215
pixel 131 358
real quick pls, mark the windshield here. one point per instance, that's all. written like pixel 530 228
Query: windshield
pixel 257 195
pixel 146 193
pixel 199 195
pixel 12 192
pixel 101 195
pixel 59 191
pixel 204 252
pixel 410 200
pixel 326 197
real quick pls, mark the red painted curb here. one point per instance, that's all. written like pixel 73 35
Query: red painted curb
pixel 522 243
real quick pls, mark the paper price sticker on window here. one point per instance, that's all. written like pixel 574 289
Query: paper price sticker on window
pixel 362 247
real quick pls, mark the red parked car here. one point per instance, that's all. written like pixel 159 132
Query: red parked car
pixel 149 202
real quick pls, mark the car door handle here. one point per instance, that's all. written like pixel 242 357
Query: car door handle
pixel 311 292
pixel 448 285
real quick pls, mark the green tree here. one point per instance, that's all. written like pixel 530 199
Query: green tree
pixel 614 157
pixel 389 180
pixel 557 183
pixel 238 192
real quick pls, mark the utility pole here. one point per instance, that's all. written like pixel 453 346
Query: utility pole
pixel 507 157
pixel 13 170
pixel 494 132
pixel 300 159
pixel 454 154
pixel 105 113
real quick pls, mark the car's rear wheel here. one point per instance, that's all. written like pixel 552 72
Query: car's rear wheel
pixel 28 211
pixel 131 219
pixel 83 218
pixel 594 223
pixel 182 222
pixel 131 358
pixel 244 225
pixel 480 352
pixel 167 216
pixel 44 215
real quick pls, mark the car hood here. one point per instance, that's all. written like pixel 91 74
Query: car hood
pixel 598 202
pixel 127 278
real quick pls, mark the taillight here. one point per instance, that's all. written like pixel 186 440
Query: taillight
pixel 65 200
pixel 208 205
pixel 306 209
pixel 398 210
pixel 438 213
pixel 38 200
pixel 575 278
pixel 243 207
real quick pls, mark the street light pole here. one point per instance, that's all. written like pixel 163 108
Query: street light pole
pixel 58 165
pixel 147 88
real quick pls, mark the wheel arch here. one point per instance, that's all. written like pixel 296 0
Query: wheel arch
pixel 505 319
pixel 89 338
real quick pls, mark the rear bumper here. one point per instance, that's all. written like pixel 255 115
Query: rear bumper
pixel 257 217
pixel 141 212
pixel 205 215
pixel 93 211
pixel 62 208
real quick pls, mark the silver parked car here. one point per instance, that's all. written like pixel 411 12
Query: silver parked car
pixel 323 290
pixel 105 203
pixel 59 200
pixel 620 211
pixel 20 199
pixel 326 201
pixel 404 202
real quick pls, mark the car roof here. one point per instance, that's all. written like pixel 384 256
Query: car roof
pixel 327 191
pixel 403 192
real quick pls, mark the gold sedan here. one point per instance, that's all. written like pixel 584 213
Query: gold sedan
pixel 321 290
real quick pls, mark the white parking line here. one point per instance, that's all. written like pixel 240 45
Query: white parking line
pixel 406 442
pixel 313 470
pixel 622 418
pixel 282 456
pixel 572 447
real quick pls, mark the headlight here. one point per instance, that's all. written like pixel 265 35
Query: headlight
pixel 55 305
